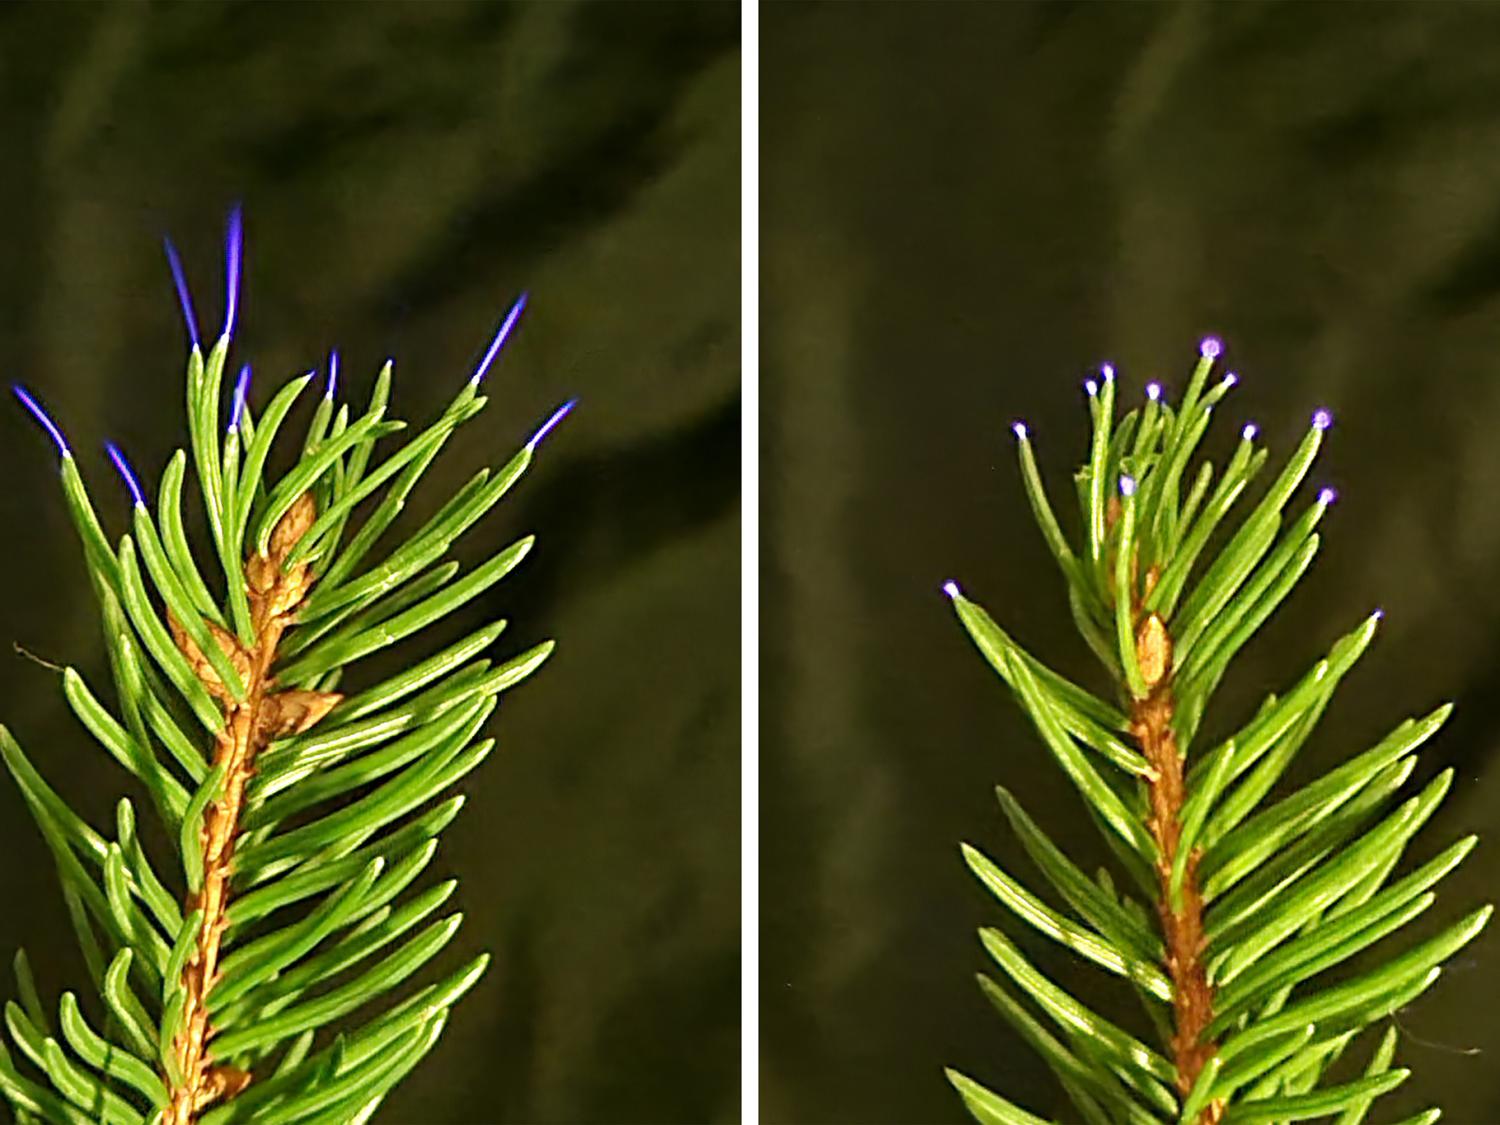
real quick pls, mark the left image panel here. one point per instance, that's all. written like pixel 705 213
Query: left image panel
pixel 370 710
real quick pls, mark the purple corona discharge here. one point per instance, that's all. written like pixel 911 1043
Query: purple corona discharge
pixel 1211 347
pixel 241 389
pixel 1153 391
pixel 507 326
pixel 1249 432
pixel 950 588
pixel 1231 379
pixel 1327 496
pixel 126 474
pixel 1108 371
pixel 234 248
pixel 35 408
pixel 333 376
pixel 557 416
pixel 1019 429
pixel 1091 386
pixel 184 298
pixel 1127 486
pixel 1322 420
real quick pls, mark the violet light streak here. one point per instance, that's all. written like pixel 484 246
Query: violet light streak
pixel 35 408
pixel 126 473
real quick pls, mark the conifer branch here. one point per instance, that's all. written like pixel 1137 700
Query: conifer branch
pixel 1249 899
pixel 301 817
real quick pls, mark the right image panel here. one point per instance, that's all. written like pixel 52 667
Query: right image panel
pixel 1131 562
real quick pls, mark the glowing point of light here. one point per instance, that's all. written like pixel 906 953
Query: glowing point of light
pixel 1322 420
pixel 184 298
pixel 1378 614
pixel 950 588
pixel 1108 371
pixel 1091 386
pixel 234 246
pixel 1127 486
pixel 1019 429
pixel 333 376
pixel 1153 391
pixel 1327 496
pixel 241 388
pixel 1211 347
pixel 1231 379
pixel 40 415
pixel 126 473
pixel 1249 432
pixel 501 335
pixel 557 416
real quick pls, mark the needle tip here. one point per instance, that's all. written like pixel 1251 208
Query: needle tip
pixel 184 298
pixel 234 247
pixel 507 326
pixel 126 473
pixel 43 419
pixel 546 427
pixel 241 389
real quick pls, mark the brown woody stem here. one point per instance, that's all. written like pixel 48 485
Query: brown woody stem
pixel 1182 927
pixel 249 725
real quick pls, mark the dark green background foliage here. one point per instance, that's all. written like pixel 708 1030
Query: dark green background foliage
pixel 968 207
pixel 406 170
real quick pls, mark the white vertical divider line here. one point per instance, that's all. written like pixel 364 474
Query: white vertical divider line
pixel 749 562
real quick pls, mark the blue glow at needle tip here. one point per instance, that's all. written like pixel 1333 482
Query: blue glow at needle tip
pixel 333 375
pixel 40 415
pixel 126 473
pixel 234 244
pixel 241 389
pixel 184 298
pixel 507 326
pixel 557 416
pixel 950 588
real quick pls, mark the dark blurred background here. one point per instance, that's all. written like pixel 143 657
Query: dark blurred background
pixel 407 169
pixel 966 209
